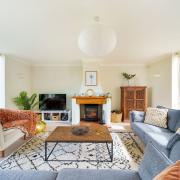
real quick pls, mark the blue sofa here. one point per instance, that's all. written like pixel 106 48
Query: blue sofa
pixel 152 164
pixel 166 140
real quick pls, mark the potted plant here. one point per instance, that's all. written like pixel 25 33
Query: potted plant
pixel 23 102
pixel 116 116
pixel 128 77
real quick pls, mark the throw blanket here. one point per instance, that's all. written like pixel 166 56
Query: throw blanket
pixel 24 120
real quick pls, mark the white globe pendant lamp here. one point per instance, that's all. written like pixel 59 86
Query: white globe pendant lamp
pixel 97 40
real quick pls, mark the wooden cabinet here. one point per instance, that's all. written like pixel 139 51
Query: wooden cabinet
pixel 133 98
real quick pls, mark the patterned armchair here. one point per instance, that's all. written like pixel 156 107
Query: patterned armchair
pixel 24 120
pixel 15 125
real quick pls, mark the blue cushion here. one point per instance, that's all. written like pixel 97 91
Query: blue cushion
pixel 153 163
pixel 173 119
pixel 160 140
pixel 87 174
pixel 138 116
pixel 142 128
pixel 27 175
pixel 157 129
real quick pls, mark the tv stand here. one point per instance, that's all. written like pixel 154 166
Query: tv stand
pixel 63 116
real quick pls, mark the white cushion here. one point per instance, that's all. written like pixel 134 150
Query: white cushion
pixel 1 137
pixel 11 136
pixel 156 117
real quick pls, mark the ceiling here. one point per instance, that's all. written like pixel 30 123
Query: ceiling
pixel 46 31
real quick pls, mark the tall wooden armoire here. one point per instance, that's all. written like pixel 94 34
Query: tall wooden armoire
pixel 133 98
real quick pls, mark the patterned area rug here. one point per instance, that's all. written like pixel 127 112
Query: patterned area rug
pixel 127 154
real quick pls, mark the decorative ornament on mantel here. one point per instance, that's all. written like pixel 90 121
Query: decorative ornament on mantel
pixel 97 40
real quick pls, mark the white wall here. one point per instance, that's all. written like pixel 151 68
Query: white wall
pixel 160 82
pixel 18 78
pixel 57 80
pixel 69 80
pixel 2 81
pixel 111 80
pixel 176 81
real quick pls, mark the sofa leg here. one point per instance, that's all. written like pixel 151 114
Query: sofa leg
pixel 24 137
pixel 2 153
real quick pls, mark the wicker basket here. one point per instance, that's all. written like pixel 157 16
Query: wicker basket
pixel 116 118
pixel 55 118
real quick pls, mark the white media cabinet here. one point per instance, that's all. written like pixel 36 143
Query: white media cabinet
pixel 63 116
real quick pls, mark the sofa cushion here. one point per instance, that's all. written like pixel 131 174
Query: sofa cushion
pixel 156 129
pixel 173 117
pixel 152 163
pixel 1 138
pixel 138 116
pixel 11 136
pixel 85 174
pixel 156 117
pixel 140 129
pixel 160 140
pixel 27 175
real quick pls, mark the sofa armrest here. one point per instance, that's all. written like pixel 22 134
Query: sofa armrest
pixel 137 116
pixel 173 140
pixel 174 152
pixel 153 162
pixel 174 146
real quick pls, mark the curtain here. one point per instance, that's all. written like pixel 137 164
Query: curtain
pixel 176 81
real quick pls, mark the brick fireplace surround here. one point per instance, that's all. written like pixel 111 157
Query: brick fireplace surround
pixel 84 100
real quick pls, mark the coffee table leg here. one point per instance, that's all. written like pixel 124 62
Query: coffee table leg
pixel 112 152
pixel 45 151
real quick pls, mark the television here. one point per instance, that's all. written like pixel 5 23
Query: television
pixel 48 102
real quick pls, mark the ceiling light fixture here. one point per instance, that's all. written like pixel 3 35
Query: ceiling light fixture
pixel 97 40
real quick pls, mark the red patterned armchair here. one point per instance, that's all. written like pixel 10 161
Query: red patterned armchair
pixel 25 120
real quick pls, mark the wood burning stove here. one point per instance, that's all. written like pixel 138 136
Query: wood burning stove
pixel 91 112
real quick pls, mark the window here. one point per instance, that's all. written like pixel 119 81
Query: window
pixel 2 81
pixel 176 81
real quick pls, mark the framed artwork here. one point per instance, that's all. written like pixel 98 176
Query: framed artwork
pixel 91 78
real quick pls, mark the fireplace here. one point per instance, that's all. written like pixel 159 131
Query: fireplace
pixel 103 115
pixel 91 112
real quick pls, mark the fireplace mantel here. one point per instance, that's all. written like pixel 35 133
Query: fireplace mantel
pixel 90 99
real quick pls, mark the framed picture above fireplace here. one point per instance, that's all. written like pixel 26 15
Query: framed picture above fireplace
pixel 91 78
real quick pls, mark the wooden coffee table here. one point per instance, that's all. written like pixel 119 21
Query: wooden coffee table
pixel 96 134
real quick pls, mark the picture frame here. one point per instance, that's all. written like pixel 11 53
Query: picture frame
pixel 91 78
